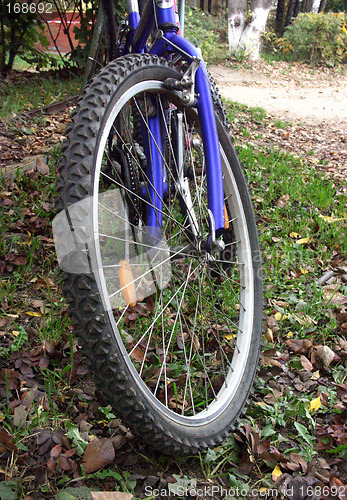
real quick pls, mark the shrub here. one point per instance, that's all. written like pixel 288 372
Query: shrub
pixel 316 39
pixel 208 32
pixel 19 32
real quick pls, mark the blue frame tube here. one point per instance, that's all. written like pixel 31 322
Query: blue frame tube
pixel 162 47
pixel 208 125
pixel 155 186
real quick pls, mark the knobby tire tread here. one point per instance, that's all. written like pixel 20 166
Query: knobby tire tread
pixel 74 183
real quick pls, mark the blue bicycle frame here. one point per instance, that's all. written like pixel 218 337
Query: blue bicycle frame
pixel 169 41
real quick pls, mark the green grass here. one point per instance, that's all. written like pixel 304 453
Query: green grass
pixel 294 201
pixel 28 238
pixel 289 196
pixel 34 91
pixel 257 113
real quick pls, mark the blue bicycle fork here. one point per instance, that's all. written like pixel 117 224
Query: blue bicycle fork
pixel 169 41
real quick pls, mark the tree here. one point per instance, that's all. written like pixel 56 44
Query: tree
pixel 19 31
pixel 245 28
pixel 286 12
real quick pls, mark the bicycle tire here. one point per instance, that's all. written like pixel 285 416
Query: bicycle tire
pixel 165 420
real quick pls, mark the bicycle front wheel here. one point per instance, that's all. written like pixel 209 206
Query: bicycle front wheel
pixel 171 330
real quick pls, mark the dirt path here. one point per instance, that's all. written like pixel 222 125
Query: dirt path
pixel 291 92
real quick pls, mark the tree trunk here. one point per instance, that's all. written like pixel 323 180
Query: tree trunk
pixel 237 12
pixel 290 12
pixel 2 46
pixel 245 36
pixel 251 36
pixel 315 6
pixel 297 9
pixel 322 5
pixel 95 43
pixel 280 17
pixel 307 6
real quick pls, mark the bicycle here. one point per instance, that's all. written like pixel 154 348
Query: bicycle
pixel 158 240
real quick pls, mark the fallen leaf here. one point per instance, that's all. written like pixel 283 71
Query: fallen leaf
pixel 276 473
pixel 269 336
pixel 316 375
pixel 294 235
pixel 137 354
pixel 98 454
pixel 6 443
pixel 230 336
pixel 315 404
pixel 55 451
pixel 331 219
pixel 283 201
pixel 41 166
pixel 306 363
pixel 332 295
pixel 325 355
pixel 20 415
pixel 299 346
pixel 36 314
pixel 302 241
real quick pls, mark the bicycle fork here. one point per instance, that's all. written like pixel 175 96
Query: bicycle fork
pixel 195 88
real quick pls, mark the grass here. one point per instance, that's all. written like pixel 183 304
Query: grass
pixel 34 91
pixel 302 219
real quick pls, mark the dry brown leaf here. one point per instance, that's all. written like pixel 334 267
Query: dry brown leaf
pixel 98 454
pixel 41 166
pixel 299 346
pixel 306 363
pixel 55 451
pixel 6 443
pixel 20 415
pixel 325 355
pixel 137 354
pixel 283 201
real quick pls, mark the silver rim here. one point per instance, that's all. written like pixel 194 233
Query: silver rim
pixel 189 354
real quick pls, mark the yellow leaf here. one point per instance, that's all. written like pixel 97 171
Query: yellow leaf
pixel 262 491
pixel 278 316
pixel 28 241
pixel 303 270
pixel 290 335
pixel 315 404
pixel 293 234
pixel 330 219
pixel 34 313
pixel 269 336
pixel 285 316
pixel 276 473
pixel 302 241
pixel 230 336
pixel 15 333
pixel 315 375
pixel 261 403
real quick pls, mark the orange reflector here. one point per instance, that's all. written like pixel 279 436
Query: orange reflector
pixel 127 284
pixel 226 217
